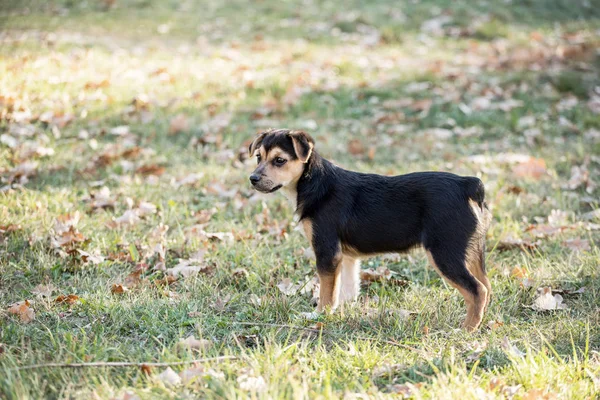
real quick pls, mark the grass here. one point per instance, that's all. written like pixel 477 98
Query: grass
pixel 377 76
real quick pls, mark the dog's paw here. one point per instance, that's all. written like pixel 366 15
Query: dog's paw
pixel 311 316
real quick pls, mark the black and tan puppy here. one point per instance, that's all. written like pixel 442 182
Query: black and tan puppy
pixel 349 215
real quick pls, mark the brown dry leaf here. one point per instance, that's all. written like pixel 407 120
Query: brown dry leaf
pixel 578 244
pixel 118 289
pixel 539 394
pixel 381 274
pixel 133 279
pixel 194 344
pixel 22 309
pixel 495 324
pixel 65 232
pixel 146 369
pixel 355 147
pixel 69 299
pixel 179 123
pixel 151 169
pixel 93 85
pixel 543 230
pixel 5 230
pixel 403 390
pixel 68 239
pixel 532 168
pixel 44 290
pixel 94 258
pixel 519 272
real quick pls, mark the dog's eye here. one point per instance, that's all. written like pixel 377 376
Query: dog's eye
pixel 257 158
pixel 280 161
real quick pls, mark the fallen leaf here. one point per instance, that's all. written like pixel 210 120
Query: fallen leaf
pixel 251 383
pixel 381 274
pixel 519 272
pixel 547 301
pixel 179 123
pixel 151 169
pixel 287 287
pixel 355 147
pixel 88 257
pixel 169 377
pixel 511 349
pixel 195 344
pixel 118 289
pixel 495 324
pixel 101 199
pixel 543 230
pixel 69 299
pixel 578 244
pixel 533 168
pixel 474 351
pixel 539 394
pixel 22 309
pixel 404 390
pixel 43 290
pixel 187 268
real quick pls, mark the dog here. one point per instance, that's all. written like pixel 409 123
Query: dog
pixel 349 215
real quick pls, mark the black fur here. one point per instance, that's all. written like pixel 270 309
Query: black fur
pixel 380 214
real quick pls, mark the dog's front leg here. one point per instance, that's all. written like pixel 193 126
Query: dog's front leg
pixel 329 269
pixel 329 294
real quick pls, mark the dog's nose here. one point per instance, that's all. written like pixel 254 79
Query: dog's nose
pixel 254 178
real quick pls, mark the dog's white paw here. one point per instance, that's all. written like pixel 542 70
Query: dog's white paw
pixel 311 316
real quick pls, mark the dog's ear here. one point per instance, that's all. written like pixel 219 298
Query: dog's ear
pixel 303 145
pixel 256 143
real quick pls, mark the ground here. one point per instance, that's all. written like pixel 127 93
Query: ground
pixel 127 223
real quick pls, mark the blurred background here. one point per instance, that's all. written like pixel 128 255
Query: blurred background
pixel 124 128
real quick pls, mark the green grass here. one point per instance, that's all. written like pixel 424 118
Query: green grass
pixel 232 70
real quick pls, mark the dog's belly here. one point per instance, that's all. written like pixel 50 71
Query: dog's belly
pixel 384 236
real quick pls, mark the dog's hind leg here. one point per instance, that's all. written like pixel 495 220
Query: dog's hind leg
pixel 475 252
pixel 457 275
pixel 476 264
pixel 350 279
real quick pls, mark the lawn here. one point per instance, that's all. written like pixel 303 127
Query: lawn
pixel 129 231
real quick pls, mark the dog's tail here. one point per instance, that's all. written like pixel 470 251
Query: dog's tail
pixel 475 192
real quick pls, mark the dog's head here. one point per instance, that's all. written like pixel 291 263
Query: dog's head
pixel 281 156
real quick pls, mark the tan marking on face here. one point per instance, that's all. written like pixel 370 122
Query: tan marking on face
pixel 273 175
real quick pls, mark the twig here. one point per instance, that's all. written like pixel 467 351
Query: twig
pixel 124 364
pixel 393 343
pixel 300 328
pixel 372 339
